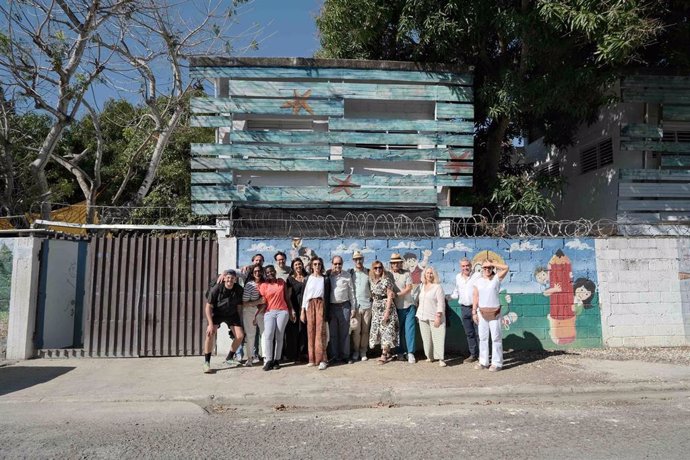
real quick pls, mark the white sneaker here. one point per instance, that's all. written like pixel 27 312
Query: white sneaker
pixel 442 363
pixel 322 366
pixel 256 360
pixel 364 358
pixel 410 358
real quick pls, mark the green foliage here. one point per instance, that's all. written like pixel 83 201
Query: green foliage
pixel 541 67
pixel 527 192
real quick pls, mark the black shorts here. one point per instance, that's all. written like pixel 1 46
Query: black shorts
pixel 230 320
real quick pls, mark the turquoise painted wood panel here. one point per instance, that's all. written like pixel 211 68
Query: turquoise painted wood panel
pixel 656 95
pixel 663 190
pixel 382 91
pixel 654 205
pixel 309 73
pixel 448 167
pixel 676 112
pixel 357 180
pixel 315 137
pixel 361 124
pixel 673 147
pixel 446 180
pixel 660 81
pixel 446 111
pixel 262 151
pixel 210 121
pixel 313 194
pixel 211 178
pixel 361 153
pixel 211 209
pixel 263 164
pixel 289 106
pixel 682 161
pixel 653 174
pixel 450 212
pixel 634 130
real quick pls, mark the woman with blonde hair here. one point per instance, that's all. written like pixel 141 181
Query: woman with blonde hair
pixel 384 318
pixel 431 313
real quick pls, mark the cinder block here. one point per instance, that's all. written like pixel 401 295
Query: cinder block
pixel 668 329
pixel 618 243
pixel 614 342
pixel 609 254
pixel 643 243
pixel 634 342
pixel 601 243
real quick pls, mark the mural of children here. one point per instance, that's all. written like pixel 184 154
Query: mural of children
pixel 584 292
pixel 416 268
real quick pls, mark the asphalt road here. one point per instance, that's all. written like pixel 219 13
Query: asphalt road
pixel 612 425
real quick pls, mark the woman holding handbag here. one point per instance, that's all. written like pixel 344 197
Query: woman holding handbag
pixel 486 313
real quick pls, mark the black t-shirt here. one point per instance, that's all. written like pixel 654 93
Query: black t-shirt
pixel 224 300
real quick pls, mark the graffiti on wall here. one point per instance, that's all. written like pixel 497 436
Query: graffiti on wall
pixel 6 247
pixel 549 299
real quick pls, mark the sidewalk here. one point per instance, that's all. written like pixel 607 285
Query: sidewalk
pixel 362 384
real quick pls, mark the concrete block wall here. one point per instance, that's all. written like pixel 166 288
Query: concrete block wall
pixel 533 317
pixel 644 291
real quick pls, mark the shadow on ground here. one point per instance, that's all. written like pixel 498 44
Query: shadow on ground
pixel 16 378
pixel 525 349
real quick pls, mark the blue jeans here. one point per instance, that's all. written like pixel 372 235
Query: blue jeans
pixel 408 337
pixel 339 329
pixel 471 329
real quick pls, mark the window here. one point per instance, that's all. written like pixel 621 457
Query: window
pixel 596 156
pixel 676 136
pixel 552 169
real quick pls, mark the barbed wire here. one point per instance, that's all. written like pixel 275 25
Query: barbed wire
pixel 294 223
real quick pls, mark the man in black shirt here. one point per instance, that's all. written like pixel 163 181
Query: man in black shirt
pixel 222 306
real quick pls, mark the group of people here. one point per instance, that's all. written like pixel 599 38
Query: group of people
pixel 327 316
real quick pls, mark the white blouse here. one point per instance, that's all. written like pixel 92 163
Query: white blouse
pixel 431 301
pixel 313 289
pixel 488 291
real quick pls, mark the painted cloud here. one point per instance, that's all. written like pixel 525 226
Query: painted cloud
pixel 579 245
pixel 260 247
pixel 458 246
pixel 523 246
pixel 342 249
pixel 406 245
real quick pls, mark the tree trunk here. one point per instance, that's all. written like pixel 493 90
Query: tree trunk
pixel 161 144
pixel 38 166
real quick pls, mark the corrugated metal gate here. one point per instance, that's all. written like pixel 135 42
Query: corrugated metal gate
pixel 145 295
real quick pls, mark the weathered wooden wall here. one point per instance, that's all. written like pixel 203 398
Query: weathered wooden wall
pixel 404 157
pixel 661 194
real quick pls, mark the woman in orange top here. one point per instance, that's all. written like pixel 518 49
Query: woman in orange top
pixel 274 291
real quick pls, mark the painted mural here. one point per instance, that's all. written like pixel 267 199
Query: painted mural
pixel 549 299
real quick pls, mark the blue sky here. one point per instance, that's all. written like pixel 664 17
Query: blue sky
pixel 289 27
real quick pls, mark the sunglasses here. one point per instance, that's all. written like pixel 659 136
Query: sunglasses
pixel 378 268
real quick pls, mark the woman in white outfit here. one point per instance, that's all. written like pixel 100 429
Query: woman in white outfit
pixel 431 314
pixel 486 312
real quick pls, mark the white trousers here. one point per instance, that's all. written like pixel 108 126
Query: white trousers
pixel 433 339
pixel 493 327
pixel 250 330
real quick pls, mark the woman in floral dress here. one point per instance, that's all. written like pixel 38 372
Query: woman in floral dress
pixel 384 318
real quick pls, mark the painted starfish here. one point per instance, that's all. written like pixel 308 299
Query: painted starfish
pixel 298 103
pixel 454 167
pixel 344 185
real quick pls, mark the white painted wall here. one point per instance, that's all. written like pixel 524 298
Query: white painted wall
pixel 643 300
pixel 23 298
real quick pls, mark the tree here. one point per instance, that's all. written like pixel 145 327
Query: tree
pixel 56 56
pixel 538 64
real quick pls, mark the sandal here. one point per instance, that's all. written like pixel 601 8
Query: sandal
pixel 384 358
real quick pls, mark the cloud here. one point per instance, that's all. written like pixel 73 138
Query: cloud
pixel 406 245
pixel 458 246
pixel 342 249
pixel 260 247
pixel 579 245
pixel 524 246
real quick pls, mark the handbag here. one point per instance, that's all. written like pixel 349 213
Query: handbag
pixel 490 314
